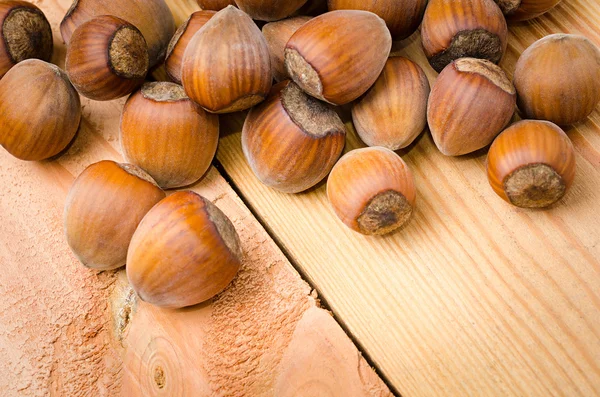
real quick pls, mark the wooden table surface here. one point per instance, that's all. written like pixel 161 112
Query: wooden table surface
pixel 473 297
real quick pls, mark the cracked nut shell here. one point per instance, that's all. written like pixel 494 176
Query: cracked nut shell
pixel 455 29
pixel 291 140
pixel 372 191
pixel 104 206
pixel 184 252
pixel 531 164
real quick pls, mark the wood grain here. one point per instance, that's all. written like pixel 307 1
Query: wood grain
pixel 474 297
pixel 68 331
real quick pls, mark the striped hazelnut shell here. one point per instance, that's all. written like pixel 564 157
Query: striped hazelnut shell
pixel 277 34
pixel 336 57
pixel 269 10
pixel 558 79
pixel 522 10
pixel 215 5
pixel 167 135
pixel 40 110
pixel 531 164
pixel 184 252
pixel 372 191
pixel 152 17
pixel 107 58
pixel 226 66
pixel 26 34
pixel 180 41
pixel 470 104
pixel 455 29
pixel 402 17
pixel 292 140
pixel 104 206
pixel 400 93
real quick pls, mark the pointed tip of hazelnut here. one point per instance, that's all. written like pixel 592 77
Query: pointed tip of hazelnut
pixel 487 69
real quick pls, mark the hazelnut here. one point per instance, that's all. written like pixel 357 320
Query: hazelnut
pixel 184 252
pixel 277 34
pixel 26 34
pixel 180 41
pixel 291 140
pixel 226 66
pixel 107 58
pixel 372 191
pixel 337 56
pixel 463 28
pixel 402 17
pixel 470 104
pixel 152 17
pixel 313 8
pixel 531 164
pixel 558 79
pixel 393 113
pixel 167 135
pixel 215 5
pixel 269 10
pixel 522 10
pixel 39 110
pixel 106 203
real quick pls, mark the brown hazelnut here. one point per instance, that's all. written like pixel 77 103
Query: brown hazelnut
pixel 393 113
pixel 184 252
pixel 337 56
pixel 39 110
pixel 372 191
pixel 107 58
pixel 215 5
pixel 269 10
pixel 402 17
pixel 180 41
pixel 470 104
pixel 291 140
pixel 522 10
pixel 152 17
pixel 531 164
pixel 26 34
pixel 277 34
pixel 226 66
pixel 558 79
pixel 463 28
pixel 104 207
pixel 167 135
pixel 313 8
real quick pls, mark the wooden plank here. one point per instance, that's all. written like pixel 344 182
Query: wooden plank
pixel 69 331
pixel 474 297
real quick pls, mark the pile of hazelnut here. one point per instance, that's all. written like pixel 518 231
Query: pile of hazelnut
pixel 181 250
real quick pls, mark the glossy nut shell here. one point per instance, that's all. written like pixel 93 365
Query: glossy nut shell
pixel 470 104
pixel 372 191
pixel 393 113
pixel 558 79
pixel 338 56
pixel 522 10
pixel 269 10
pixel 226 66
pixel 455 29
pixel 291 140
pixel 167 135
pixel 531 164
pixel 184 252
pixel 43 94
pixel 277 34
pixel 104 207
pixel 402 17
pixel 26 34
pixel 180 41
pixel 107 58
pixel 215 5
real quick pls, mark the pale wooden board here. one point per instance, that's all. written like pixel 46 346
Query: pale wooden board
pixel 474 297
pixel 69 331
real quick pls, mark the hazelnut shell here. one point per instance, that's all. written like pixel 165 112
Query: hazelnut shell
pixel 184 252
pixel 269 10
pixel 40 110
pixel 531 164
pixel 215 5
pixel 104 206
pixel 167 135
pixel 522 10
pixel 277 34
